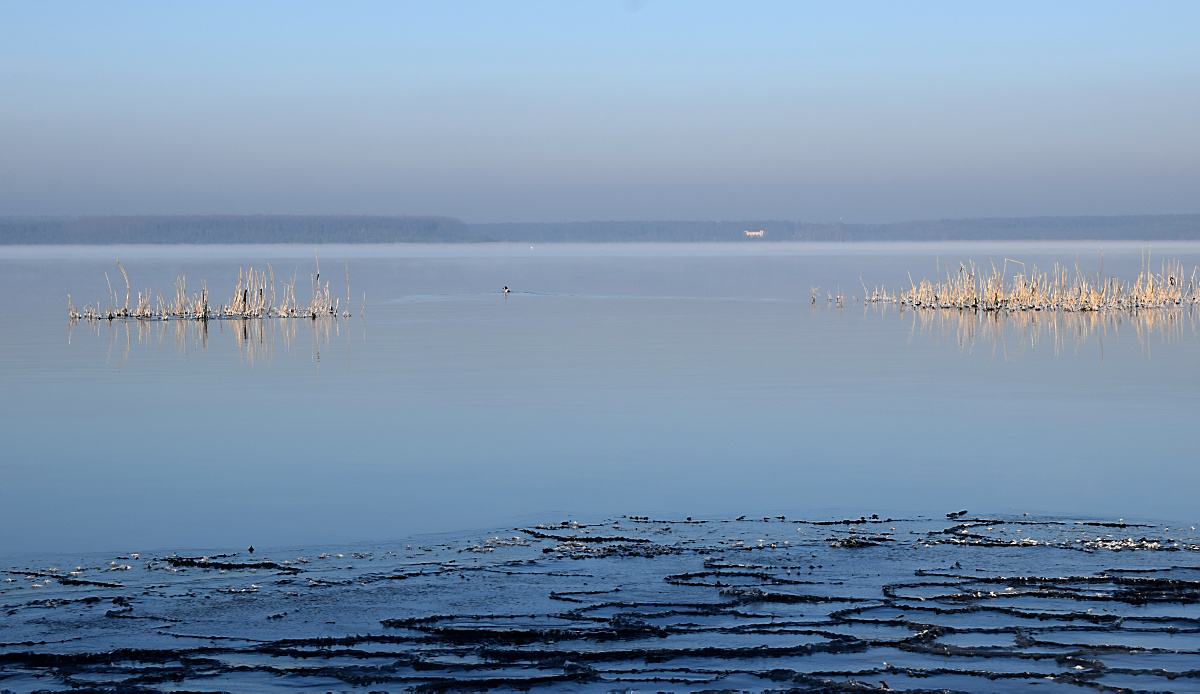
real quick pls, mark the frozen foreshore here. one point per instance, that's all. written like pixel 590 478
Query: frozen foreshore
pixel 866 604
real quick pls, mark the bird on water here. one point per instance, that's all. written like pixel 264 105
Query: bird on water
pixel 506 289
pixel 252 549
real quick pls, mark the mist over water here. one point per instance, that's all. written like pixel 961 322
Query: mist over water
pixel 697 380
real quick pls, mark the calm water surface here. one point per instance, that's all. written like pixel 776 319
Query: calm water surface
pixel 681 380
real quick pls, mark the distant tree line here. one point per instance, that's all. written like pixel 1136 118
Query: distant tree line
pixel 1147 227
pixel 364 229
pixel 233 229
pixel 615 232
pixel 1132 227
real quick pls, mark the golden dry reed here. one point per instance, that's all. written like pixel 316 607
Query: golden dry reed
pixel 1056 290
pixel 254 296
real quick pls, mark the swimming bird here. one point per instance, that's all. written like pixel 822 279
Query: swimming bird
pixel 252 549
pixel 506 289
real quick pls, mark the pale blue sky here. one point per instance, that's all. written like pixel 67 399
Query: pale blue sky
pixel 559 111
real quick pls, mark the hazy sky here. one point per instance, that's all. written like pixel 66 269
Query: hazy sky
pixel 560 111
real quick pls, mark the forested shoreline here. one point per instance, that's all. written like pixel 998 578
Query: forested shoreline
pixel 233 229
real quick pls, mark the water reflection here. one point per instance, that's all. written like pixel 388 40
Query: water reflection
pixel 256 339
pixel 1008 333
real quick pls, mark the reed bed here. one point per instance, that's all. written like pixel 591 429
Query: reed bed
pixel 1056 290
pixel 254 296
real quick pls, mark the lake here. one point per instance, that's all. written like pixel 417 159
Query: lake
pixel 644 379
pixel 689 467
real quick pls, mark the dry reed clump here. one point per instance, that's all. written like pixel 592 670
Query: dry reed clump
pixel 1057 290
pixel 254 296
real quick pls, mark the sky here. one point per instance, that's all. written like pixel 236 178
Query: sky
pixel 604 110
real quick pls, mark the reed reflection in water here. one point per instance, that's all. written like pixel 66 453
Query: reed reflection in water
pixel 256 339
pixel 1008 333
